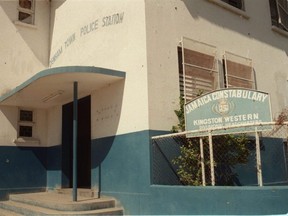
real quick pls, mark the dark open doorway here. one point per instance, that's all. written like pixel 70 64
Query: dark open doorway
pixel 83 147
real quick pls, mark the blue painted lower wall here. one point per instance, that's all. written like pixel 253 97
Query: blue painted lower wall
pixel 22 169
pixel 185 200
pixel 29 169
pixel 121 168
pixel 54 167
pixel 121 163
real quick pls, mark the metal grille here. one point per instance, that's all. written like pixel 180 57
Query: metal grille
pixel 238 71
pixel 235 162
pixel 198 70
pixel 283 13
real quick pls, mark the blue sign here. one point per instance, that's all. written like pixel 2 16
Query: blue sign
pixel 228 108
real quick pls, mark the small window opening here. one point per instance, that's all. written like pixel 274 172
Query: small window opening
pixel 26 115
pixel 235 3
pixel 25 123
pixel 25 131
pixel 26 11
pixel 279 13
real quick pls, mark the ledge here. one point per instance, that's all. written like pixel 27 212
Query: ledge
pixel 32 26
pixel 280 31
pixel 230 8
pixel 27 141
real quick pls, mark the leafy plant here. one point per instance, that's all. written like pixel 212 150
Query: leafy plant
pixel 229 150
pixel 180 115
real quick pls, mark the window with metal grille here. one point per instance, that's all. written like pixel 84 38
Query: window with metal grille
pixel 26 11
pixel 25 131
pixel 235 3
pixel 238 71
pixel 26 115
pixel 279 13
pixel 198 72
pixel 25 123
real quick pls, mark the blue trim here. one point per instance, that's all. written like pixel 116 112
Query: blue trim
pixel 63 70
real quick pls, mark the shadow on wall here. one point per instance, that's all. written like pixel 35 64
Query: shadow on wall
pixel 8 123
pixel 30 38
pixel 105 115
pixel 54 5
pixel 246 27
pixel 22 168
pixel 106 112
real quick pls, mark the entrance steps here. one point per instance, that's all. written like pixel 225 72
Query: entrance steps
pixel 82 192
pixel 59 203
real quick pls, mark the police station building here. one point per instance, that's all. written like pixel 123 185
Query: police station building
pixel 125 60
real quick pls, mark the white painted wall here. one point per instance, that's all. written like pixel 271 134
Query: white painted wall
pixel 144 45
pixel 168 20
pixel 9 118
pixel 119 46
pixel 106 112
pixel 23 53
pixel 54 126
pixel 36 36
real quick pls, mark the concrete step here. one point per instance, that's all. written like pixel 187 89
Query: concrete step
pixel 63 202
pixel 80 192
pixel 26 209
pixel 47 203
pixel 4 212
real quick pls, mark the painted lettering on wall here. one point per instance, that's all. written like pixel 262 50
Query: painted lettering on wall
pixel 85 30
pixel 56 55
pixel 107 112
pixel 113 20
pixel 70 40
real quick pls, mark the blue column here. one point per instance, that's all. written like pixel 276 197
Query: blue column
pixel 75 135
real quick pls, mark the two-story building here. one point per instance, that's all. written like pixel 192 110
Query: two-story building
pixel 127 58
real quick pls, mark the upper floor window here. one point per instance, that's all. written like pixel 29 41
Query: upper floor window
pixel 238 71
pixel 26 11
pixel 235 3
pixel 234 6
pixel 279 13
pixel 199 73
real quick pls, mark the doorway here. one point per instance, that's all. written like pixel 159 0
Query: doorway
pixel 83 144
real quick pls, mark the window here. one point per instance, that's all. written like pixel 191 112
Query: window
pixel 238 71
pixel 26 11
pixel 26 115
pixel 198 70
pixel 25 123
pixel 235 3
pixel 25 131
pixel 279 13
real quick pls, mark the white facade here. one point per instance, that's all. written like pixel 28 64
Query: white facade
pixel 208 22
pixel 141 39
pixel 128 59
